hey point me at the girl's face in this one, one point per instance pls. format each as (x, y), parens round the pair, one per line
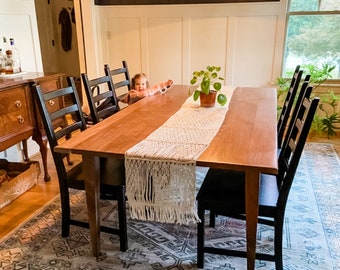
(140, 84)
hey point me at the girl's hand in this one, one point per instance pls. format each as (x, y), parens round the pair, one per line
(169, 83)
(130, 97)
(134, 94)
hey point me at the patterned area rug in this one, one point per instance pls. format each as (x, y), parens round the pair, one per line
(311, 233)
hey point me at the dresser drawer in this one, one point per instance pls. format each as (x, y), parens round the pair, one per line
(14, 110)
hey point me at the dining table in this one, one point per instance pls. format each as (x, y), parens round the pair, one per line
(246, 141)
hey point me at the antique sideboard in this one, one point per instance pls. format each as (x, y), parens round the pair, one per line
(19, 117)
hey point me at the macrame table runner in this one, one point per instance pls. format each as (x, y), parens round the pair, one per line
(161, 169)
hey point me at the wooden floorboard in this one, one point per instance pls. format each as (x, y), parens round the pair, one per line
(26, 205)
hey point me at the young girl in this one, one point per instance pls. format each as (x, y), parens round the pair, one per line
(141, 88)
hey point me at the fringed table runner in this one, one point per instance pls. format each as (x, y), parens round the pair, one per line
(161, 170)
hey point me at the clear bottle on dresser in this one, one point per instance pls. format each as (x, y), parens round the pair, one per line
(15, 57)
(2, 61)
(9, 63)
(3, 56)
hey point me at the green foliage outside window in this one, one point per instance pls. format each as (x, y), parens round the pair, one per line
(327, 119)
(313, 34)
(313, 39)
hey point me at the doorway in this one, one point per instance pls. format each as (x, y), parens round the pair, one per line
(57, 35)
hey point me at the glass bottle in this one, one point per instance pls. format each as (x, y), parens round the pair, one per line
(9, 62)
(3, 55)
(5, 45)
(2, 61)
(16, 65)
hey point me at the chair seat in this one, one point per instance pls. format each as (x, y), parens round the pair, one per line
(112, 176)
(75, 178)
(227, 197)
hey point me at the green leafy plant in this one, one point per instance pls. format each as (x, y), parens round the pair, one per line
(330, 119)
(326, 119)
(208, 80)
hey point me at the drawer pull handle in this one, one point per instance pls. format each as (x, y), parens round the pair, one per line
(21, 120)
(18, 103)
(51, 102)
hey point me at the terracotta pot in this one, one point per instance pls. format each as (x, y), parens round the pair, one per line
(208, 100)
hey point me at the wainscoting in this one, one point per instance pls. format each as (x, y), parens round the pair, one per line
(170, 41)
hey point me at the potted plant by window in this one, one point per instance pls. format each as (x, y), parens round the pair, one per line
(209, 83)
(327, 118)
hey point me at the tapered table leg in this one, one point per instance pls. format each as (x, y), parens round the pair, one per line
(252, 195)
(91, 168)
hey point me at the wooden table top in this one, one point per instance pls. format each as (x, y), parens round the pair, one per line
(246, 140)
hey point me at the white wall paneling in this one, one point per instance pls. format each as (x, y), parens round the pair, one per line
(251, 54)
(246, 40)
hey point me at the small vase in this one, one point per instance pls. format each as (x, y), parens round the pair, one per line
(209, 100)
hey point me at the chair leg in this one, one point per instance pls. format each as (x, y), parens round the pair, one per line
(122, 219)
(65, 213)
(25, 150)
(68, 157)
(200, 238)
(212, 219)
(278, 228)
(69, 161)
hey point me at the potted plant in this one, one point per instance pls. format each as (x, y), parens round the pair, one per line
(209, 83)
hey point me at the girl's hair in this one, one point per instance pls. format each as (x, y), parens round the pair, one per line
(138, 76)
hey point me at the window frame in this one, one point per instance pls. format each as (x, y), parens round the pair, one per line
(330, 81)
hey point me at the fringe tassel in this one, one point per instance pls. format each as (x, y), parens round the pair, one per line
(161, 191)
(163, 214)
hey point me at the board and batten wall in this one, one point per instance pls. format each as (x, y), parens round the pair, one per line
(171, 41)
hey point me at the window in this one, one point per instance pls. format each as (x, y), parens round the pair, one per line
(313, 35)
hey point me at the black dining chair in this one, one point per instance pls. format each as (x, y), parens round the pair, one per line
(121, 79)
(112, 174)
(223, 191)
(304, 92)
(101, 97)
(288, 105)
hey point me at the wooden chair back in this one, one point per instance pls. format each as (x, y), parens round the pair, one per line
(101, 97)
(70, 111)
(121, 79)
(305, 92)
(288, 105)
(290, 155)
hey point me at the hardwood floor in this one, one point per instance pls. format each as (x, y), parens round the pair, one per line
(31, 201)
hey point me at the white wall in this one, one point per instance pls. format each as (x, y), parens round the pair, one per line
(246, 40)
(18, 20)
